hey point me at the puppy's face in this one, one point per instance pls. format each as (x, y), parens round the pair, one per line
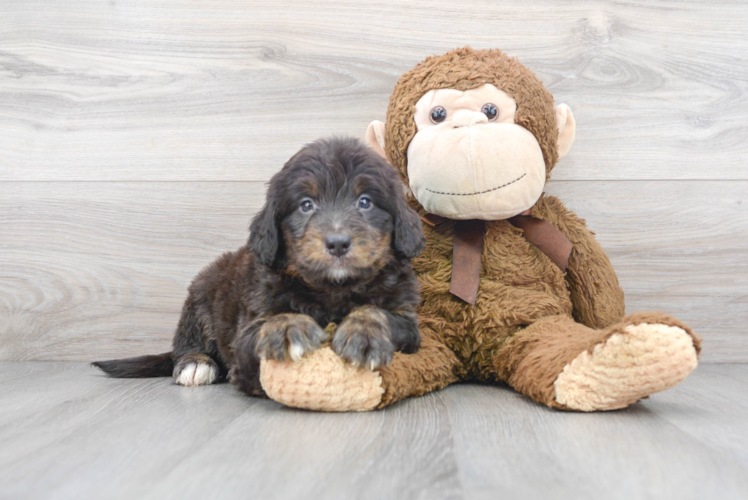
(339, 231)
(338, 213)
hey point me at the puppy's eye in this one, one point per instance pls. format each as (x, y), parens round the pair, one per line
(364, 203)
(306, 205)
(490, 111)
(438, 114)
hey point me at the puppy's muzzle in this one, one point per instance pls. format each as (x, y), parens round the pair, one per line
(338, 244)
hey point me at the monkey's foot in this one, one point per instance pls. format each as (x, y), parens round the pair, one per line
(641, 360)
(321, 381)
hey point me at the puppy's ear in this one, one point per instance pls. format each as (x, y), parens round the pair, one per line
(264, 235)
(409, 239)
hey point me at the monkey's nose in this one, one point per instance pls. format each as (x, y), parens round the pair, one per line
(465, 118)
(338, 244)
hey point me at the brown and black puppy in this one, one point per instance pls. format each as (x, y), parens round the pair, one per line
(332, 244)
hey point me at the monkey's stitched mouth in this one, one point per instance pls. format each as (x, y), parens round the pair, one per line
(479, 192)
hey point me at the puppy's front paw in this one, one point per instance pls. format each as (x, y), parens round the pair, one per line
(289, 336)
(363, 338)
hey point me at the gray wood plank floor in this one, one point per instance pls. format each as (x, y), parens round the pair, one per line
(68, 432)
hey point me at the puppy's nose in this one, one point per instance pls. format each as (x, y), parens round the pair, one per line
(338, 244)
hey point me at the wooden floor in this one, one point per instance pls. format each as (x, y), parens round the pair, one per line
(68, 432)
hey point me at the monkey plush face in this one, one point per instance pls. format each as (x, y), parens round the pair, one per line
(475, 134)
(469, 160)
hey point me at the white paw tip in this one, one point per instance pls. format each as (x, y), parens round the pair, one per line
(197, 374)
(296, 351)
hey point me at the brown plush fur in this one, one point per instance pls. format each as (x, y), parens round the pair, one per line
(531, 361)
(530, 319)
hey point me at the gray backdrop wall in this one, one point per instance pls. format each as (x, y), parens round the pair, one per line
(136, 139)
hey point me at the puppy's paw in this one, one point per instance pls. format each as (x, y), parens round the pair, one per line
(363, 338)
(195, 369)
(289, 336)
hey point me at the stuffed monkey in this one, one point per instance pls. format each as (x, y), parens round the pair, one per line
(514, 286)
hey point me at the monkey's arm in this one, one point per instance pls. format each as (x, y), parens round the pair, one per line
(596, 297)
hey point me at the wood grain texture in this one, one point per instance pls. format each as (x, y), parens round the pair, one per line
(528, 451)
(679, 247)
(96, 270)
(136, 138)
(66, 431)
(92, 269)
(229, 89)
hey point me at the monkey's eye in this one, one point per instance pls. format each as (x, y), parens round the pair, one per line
(306, 205)
(364, 203)
(490, 111)
(438, 114)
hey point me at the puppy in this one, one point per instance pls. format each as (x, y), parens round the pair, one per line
(332, 244)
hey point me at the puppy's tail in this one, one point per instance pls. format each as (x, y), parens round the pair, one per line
(155, 365)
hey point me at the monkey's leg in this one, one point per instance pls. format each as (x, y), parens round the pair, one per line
(566, 365)
(323, 381)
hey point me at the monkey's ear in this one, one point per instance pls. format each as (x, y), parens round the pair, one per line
(409, 239)
(375, 137)
(264, 236)
(567, 129)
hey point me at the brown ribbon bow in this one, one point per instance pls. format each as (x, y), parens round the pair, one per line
(468, 248)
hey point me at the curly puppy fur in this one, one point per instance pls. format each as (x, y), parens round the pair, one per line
(333, 244)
